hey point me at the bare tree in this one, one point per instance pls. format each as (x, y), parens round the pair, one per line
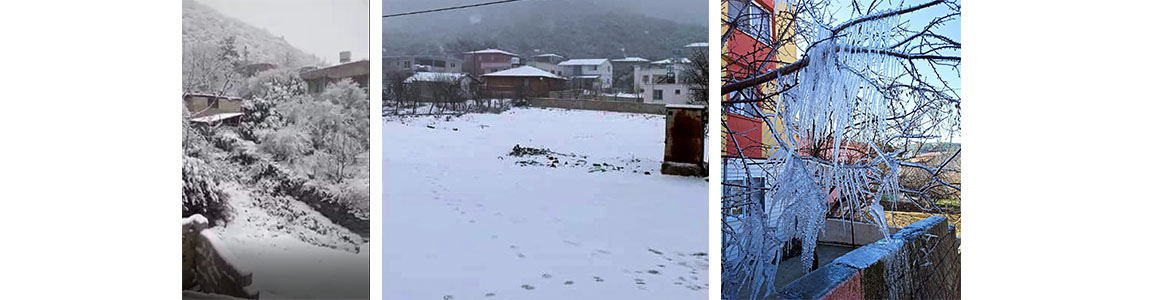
(396, 93)
(840, 90)
(695, 75)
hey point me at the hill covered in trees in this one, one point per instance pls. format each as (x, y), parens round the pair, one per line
(203, 25)
(576, 29)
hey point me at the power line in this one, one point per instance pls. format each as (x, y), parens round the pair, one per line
(447, 8)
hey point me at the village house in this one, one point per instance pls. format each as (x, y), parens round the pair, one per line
(547, 62)
(421, 63)
(520, 82)
(319, 78)
(211, 109)
(661, 82)
(623, 72)
(432, 85)
(591, 74)
(485, 61)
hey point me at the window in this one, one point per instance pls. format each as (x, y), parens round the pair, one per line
(593, 68)
(213, 103)
(657, 94)
(645, 78)
(742, 108)
(676, 92)
(753, 20)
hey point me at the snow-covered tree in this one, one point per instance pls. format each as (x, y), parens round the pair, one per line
(842, 89)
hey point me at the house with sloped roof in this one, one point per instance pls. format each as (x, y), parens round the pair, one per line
(521, 82)
(485, 61)
(588, 73)
(547, 62)
(356, 71)
(623, 72)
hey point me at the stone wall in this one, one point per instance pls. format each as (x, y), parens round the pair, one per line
(616, 106)
(208, 269)
(920, 261)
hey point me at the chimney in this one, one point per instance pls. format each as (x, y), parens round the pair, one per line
(344, 57)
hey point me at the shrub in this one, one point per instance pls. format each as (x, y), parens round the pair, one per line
(201, 194)
(285, 144)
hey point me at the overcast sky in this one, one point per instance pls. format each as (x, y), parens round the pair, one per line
(683, 11)
(320, 27)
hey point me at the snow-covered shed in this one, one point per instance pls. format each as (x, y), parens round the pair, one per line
(432, 84)
(521, 81)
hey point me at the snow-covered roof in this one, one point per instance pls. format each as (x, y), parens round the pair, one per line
(211, 96)
(216, 117)
(671, 60)
(699, 44)
(686, 106)
(549, 55)
(523, 71)
(490, 51)
(433, 76)
(631, 59)
(583, 62)
(587, 76)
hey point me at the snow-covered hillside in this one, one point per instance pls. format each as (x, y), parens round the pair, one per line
(463, 219)
(202, 24)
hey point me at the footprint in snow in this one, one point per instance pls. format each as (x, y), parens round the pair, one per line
(489, 294)
(598, 279)
(448, 297)
(546, 276)
(570, 282)
(528, 287)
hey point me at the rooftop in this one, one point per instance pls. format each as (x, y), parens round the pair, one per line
(216, 117)
(523, 71)
(349, 69)
(434, 76)
(631, 59)
(491, 51)
(671, 61)
(583, 62)
(694, 45)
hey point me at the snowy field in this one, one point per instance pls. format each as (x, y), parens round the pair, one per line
(465, 220)
(293, 251)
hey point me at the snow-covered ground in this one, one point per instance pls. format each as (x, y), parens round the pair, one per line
(463, 219)
(293, 251)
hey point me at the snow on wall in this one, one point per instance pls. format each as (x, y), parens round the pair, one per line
(921, 261)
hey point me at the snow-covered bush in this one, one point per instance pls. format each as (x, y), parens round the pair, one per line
(201, 192)
(285, 144)
(263, 94)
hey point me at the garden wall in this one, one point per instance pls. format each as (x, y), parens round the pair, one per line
(207, 268)
(920, 261)
(616, 106)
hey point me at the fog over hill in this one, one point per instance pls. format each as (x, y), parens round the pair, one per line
(204, 25)
(587, 28)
